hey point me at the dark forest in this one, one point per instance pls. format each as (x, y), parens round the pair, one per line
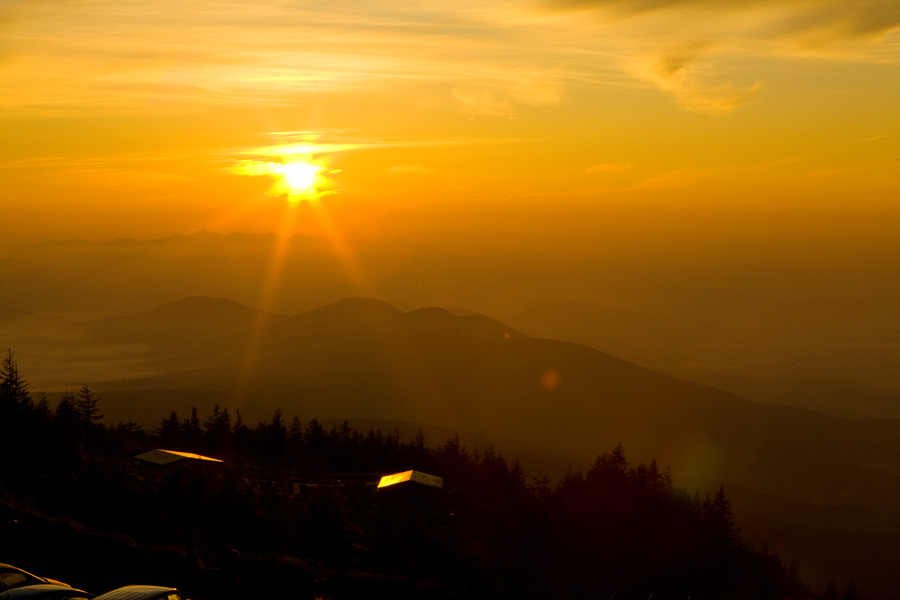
(290, 509)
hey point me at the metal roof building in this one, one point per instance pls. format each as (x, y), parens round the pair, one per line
(165, 457)
(414, 476)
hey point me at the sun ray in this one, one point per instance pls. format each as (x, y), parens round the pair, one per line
(266, 301)
(352, 268)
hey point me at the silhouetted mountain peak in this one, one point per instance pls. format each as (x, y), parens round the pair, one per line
(356, 306)
(351, 317)
(175, 322)
(205, 234)
(435, 319)
(430, 314)
(202, 307)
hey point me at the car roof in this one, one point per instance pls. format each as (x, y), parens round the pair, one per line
(28, 578)
(40, 590)
(6, 567)
(137, 592)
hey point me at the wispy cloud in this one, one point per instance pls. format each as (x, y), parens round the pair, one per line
(678, 71)
(149, 56)
(841, 18)
(331, 141)
(489, 59)
(688, 48)
(315, 148)
(135, 171)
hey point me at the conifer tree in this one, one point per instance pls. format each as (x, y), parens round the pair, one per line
(66, 410)
(419, 442)
(217, 428)
(724, 519)
(42, 408)
(169, 429)
(213, 420)
(518, 475)
(277, 425)
(88, 409)
(14, 396)
(454, 447)
(345, 431)
(191, 427)
(314, 435)
(295, 433)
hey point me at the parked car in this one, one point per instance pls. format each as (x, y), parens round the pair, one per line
(45, 591)
(142, 592)
(14, 577)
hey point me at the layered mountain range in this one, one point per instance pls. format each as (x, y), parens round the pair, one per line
(364, 358)
(816, 487)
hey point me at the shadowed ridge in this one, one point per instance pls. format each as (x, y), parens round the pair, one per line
(486, 323)
(194, 307)
(353, 308)
(460, 311)
(431, 315)
(196, 317)
(349, 318)
(205, 234)
(440, 319)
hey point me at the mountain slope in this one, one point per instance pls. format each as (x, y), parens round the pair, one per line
(364, 358)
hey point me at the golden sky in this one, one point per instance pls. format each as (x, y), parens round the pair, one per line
(447, 120)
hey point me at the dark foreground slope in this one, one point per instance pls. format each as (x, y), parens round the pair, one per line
(288, 514)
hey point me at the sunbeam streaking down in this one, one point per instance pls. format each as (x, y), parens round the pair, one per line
(267, 296)
(352, 268)
(274, 277)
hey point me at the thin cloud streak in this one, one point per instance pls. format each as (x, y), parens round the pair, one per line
(486, 59)
(307, 143)
(105, 55)
(846, 18)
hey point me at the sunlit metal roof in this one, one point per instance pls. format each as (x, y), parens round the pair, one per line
(165, 457)
(415, 476)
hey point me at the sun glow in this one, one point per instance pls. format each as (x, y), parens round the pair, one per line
(298, 180)
(300, 177)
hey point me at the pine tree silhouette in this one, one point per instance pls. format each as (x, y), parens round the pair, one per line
(14, 396)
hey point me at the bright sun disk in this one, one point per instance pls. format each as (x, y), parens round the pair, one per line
(299, 176)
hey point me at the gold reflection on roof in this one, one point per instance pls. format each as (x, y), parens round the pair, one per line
(415, 476)
(165, 457)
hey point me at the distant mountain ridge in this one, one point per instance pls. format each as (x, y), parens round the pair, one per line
(196, 315)
(368, 361)
(203, 235)
(365, 358)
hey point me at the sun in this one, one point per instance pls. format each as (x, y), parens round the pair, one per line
(300, 177)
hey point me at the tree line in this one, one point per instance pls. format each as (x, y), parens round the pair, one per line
(617, 530)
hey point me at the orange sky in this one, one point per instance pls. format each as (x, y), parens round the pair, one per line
(464, 122)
